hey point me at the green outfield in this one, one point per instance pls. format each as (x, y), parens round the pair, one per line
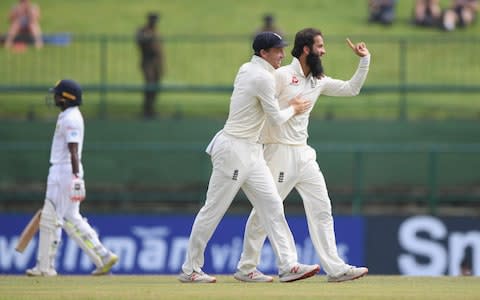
(167, 287)
(206, 41)
(218, 17)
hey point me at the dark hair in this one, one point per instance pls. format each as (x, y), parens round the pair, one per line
(268, 18)
(304, 37)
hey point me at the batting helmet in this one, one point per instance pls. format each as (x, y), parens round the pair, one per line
(69, 90)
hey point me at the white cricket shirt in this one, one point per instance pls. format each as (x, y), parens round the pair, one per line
(252, 99)
(291, 82)
(69, 129)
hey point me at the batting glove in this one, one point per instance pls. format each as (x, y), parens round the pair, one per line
(77, 192)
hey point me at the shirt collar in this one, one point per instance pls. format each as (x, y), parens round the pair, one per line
(265, 64)
(297, 67)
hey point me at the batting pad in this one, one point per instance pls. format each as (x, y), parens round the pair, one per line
(49, 239)
(87, 239)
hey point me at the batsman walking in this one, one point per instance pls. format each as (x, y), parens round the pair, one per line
(66, 189)
(238, 162)
(293, 162)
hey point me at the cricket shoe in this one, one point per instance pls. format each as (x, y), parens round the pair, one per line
(255, 276)
(351, 274)
(35, 271)
(196, 277)
(299, 272)
(108, 261)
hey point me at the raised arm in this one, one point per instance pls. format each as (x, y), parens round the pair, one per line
(352, 87)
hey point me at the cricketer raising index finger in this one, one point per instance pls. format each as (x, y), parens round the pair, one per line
(359, 49)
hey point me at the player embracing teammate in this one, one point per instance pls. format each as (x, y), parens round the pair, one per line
(293, 162)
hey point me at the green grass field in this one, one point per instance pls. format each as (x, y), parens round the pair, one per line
(183, 17)
(192, 58)
(167, 287)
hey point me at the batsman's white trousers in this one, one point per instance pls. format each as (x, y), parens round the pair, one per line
(58, 191)
(296, 167)
(68, 212)
(239, 163)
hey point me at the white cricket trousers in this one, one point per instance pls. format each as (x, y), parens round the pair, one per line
(58, 191)
(68, 212)
(239, 163)
(296, 167)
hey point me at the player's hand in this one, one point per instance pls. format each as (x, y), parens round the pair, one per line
(300, 105)
(360, 49)
(77, 191)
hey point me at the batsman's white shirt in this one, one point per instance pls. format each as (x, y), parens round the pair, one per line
(238, 162)
(69, 129)
(293, 164)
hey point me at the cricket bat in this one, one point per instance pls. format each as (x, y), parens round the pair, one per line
(28, 232)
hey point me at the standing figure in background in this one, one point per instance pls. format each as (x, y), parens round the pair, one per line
(24, 20)
(152, 62)
(381, 11)
(66, 189)
(427, 12)
(461, 13)
(269, 25)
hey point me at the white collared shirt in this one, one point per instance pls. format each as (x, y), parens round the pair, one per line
(291, 82)
(253, 100)
(69, 129)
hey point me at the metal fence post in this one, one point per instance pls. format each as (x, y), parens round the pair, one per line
(432, 180)
(403, 80)
(358, 182)
(102, 113)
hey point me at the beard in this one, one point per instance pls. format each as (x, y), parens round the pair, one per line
(314, 62)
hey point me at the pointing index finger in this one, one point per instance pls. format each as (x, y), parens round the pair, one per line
(349, 42)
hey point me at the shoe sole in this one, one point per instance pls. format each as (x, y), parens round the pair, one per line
(192, 281)
(29, 274)
(304, 276)
(251, 281)
(350, 279)
(188, 280)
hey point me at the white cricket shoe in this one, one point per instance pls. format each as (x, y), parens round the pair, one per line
(255, 276)
(108, 261)
(351, 274)
(35, 271)
(196, 277)
(299, 272)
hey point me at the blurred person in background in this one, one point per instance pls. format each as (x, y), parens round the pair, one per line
(461, 13)
(269, 25)
(66, 189)
(292, 161)
(151, 63)
(427, 12)
(381, 11)
(24, 22)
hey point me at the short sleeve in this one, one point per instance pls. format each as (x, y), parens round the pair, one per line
(73, 132)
